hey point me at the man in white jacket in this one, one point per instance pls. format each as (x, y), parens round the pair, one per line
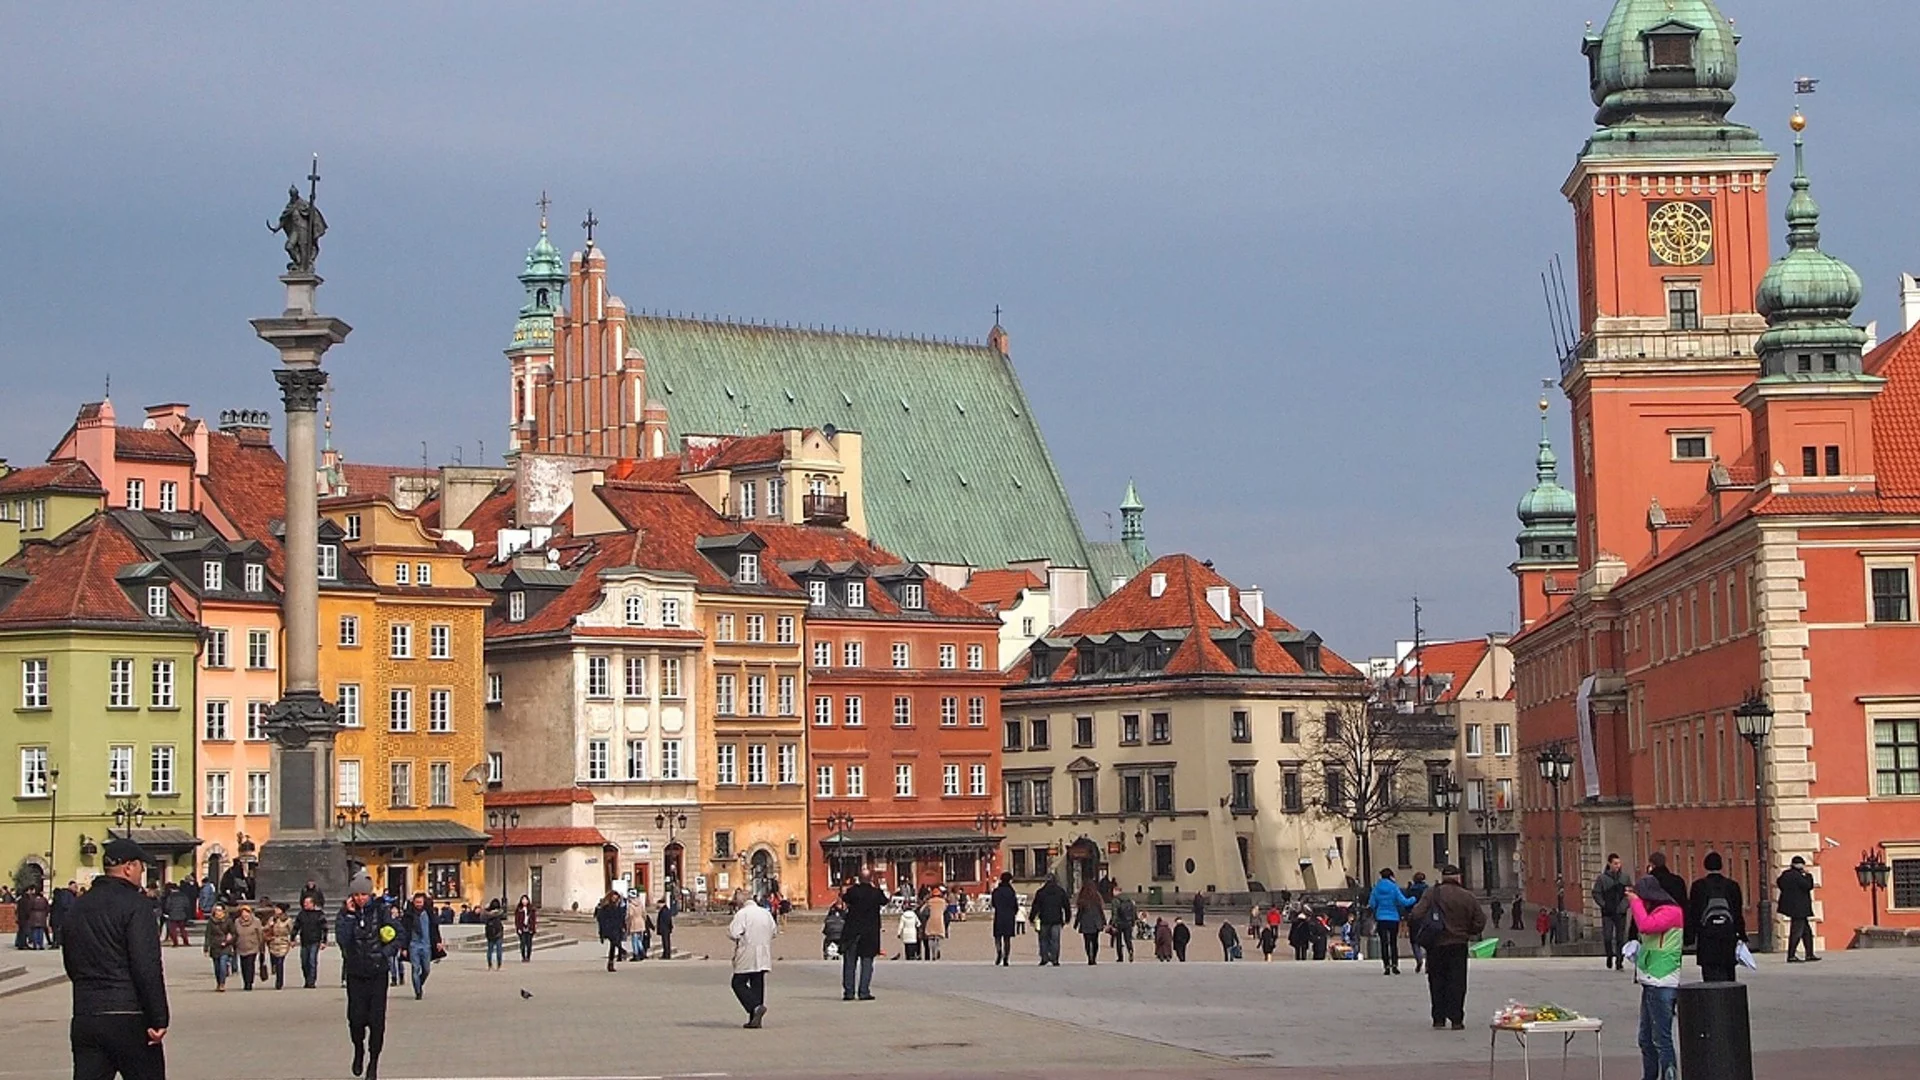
(752, 931)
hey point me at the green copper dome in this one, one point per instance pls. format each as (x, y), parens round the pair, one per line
(545, 279)
(1547, 512)
(1662, 74)
(1808, 296)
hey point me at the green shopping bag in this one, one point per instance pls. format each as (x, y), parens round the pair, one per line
(1483, 949)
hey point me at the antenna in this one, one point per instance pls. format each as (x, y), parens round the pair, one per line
(1553, 290)
(1419, 684)
(423, 453)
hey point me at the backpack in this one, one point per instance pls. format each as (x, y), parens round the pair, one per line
(1716, 919)
(1426, 933)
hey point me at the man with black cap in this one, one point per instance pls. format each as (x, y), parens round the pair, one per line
(1448, 918)
(366, 936)
(1796, 904)
(112, 959)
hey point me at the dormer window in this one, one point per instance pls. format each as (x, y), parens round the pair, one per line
(913, 596)
(749, 569)
(327, 562)
(669, 612)
(256, 578)
(157, 601)
(636, 612)
(1670, 48)
(212, 575)
(817, 593)
(516, 606)
(402, 574)
(353, 526)
(856, 594)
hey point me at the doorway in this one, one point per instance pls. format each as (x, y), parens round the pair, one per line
(1083, 864)
(761, 873)
(397, 880)
(533, 884)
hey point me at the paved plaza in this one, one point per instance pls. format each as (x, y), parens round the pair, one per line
(963, 1017)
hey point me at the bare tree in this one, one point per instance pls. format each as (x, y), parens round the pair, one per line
(1368, 772)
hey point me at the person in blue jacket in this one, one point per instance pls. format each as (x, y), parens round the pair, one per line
(1388, 904)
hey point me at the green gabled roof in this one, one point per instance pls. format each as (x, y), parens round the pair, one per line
(954, 465)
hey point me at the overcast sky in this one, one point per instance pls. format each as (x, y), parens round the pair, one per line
(1276, 261)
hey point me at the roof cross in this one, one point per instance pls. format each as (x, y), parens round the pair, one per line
(543, 202)
(589, 225)
(996, 314)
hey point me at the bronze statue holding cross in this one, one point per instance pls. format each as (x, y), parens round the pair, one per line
(302, 224)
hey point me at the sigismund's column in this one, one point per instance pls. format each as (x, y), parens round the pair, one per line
(302, 724)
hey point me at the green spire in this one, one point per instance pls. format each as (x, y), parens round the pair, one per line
(1547, 512)
(1133, 532)
(545, 279)
(1808, 296)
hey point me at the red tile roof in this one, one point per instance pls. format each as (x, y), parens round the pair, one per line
(548, 836)
(544, 797)
(141, 444)
(494, 513)
(246, 482)
(815, 542)
(378, 479)
(71, 579)
(994, 589)
(649, 470)
(1896, 415)
(670, 518)
(733, 451)
(73, 477)
(1456, 658)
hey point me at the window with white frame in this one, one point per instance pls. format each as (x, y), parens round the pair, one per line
(257, 720)
(349, 694)
(216, 649)
(757, 763)
(976, 658)
(747, 491)
(516, 606)
(439, 642)
(136, 494)
(160, 688)
(169, 496)
(669, 611)
(902, 655)
(723, 626)
(158, 602)
(402, 573)
(160, 771)
(913, 596)
(723, 695)
(976, 780)
(400, 641)
(856, 781)
(756, 628)
(33, 772)
(902, 711)
(902, 781)
(950, 781)
(1890, 588)
(423, 577)
(256, 578)
(949, 712)
(850, 711)
(756, 695)
(823, 654)
(439, 783)
(327, 562)
(496, 767)
(599, 681)
(259, 794)
(726, 764)
(822, 711)
(440, 711)
(636, 759)
(856, 594)
(217, 794)
(213, 575)
(783, 630)
(400, 784)
(789, 759)
(596, 759)
(634, 684)
(976, 712)
(216, 720)
(1473, 740)
(33, 684)
(400, 709)
(1503, 740)
(823, 781)
(636, 609)
(748, 572)
(949, 656)
(776, 497)
(120, 770)
(349, 631)
(850, 654)
(495, 687)
(817, 593)
(353, 527)
(670, 677)
(788, 689)
(259, 650)
(347, 784)
(670, 759)
(120, 683)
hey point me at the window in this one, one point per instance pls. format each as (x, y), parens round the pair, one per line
(402, 574)
(33, 772)
(259, 650)
(749, 569)
(1040, 732)
(212, 576)
(259, 793)
(423, 577)
(823, 654)
(256, 578)
(1503, 793)
(1289, 727)
(1240, 726)
(976, 780)
(669, 611)
(400, 641)
(1016, 798)
(1163, 793)
(347, 786)
(822, 711)
(160, 771)
(1290, 796)
(440, 642)
(1241, 797)
(516, 606)
(1896, 757)
(161, 688)
(1026, 626)
(257, 720)
(1086, 795)
(902, 781)
(1683, 309)
(723, 626)
(119, 770)
(789, 755)
(1043, 798)
(136, 494)
(756, 628)
(39, 514)
(496, 767)
(950, 781)
(723, 843)
(349, 631)
(169, 496)
(902, 655)
(1833, 460)
(817, 593)
(400, 709)
(670, 676)
(158, 603)
(1691, 446)
(1403, 850)
(636, 759)
(120, 684)
(856, 781)
(1014, 730)
(349, 704)
(217, 802)
(636, 610)
(976, 658)
(1335, 789)
(1162, 862)
(1503, 740)
(756, 695)
(823, 782)
(1129, 729)
(327, 562)
(599, 684)
(440, 711)
(913, 596)
(850, 654)
(976, 712)
(1906, 883)
(856, 594)
(850, 712)
(1667, 52)
(723, 695)
(215, 721)
(1133, 793)
(1083, 731)
(902, 711)
(949, 712)
(776, 497)
(783, 630)
(216, 651)
(949, 656)
(400, 784)
(1019, 866)
(747, 491)
(634, 683)
(757, 763)
(1332, 725)
(596, 759)
(1162, 728)
(1892, 593)
(788, 688)
(1473, 740)
(670, 759)
(353, 527)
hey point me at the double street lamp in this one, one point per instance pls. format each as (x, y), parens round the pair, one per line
(1872, 872)
(505, 821)
(1489, 821)
(1754, 718)
(350, 818)
(129, 812)
(1556, 768)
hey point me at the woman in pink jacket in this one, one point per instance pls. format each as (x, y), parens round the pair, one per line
(1656, 967)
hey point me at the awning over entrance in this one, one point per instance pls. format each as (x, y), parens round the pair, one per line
(905, 843)
(158, 841)
(411, 834)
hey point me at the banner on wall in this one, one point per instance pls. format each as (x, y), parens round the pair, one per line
(1589, 756)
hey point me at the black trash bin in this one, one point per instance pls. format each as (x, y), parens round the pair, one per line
(1716, 1037)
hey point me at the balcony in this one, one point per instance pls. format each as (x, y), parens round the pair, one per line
(824, 509)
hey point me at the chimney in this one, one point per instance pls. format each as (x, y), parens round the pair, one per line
(1157, 585)
(1909, 301)
(253, 427)
(1220, 599)
(169, 417)
(1254, 603)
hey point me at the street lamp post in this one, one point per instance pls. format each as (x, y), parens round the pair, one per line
(506, 821)
(673, 822)
(1872, 872)
(351, 818)
(840, 823)
(53, 821)
(1447, 795)
(129, 812)
(1754, 718)
(1487, 820)
(1556, 768)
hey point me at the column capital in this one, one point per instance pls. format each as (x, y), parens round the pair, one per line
(300, 388)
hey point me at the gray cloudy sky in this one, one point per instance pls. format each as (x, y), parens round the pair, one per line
(1276, 261)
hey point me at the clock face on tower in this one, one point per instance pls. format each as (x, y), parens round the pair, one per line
(1680, 233)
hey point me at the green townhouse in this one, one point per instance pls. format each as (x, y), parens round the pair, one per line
(97, 658)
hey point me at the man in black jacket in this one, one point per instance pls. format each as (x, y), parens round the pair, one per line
(1049, 912)
(1796, 904)
(368, 940)
(112, 958)
(310, 930)
(860, 940)
(1714, 915)
(1610, 899)
(1675, 885)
